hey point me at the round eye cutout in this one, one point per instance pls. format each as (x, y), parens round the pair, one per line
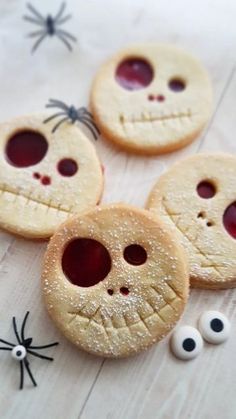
(26, 148)
(134, 74)
(135, 254)
(177, 85)
(214, 327)
(67, 167)
(229, 220)
(85, 262)
(206, 189)
(186, 343)
(18, 352)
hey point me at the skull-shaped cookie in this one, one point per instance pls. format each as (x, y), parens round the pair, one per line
(197, 198)
(115, 280)
(151, 98)
(45, 177)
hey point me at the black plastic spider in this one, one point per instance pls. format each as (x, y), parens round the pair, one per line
(23, 348)
(50, 26)
(72, 114)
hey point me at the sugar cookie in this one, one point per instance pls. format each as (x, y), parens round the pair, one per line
(151, 98)
(45, 177)
(197, 197)
(115, 280)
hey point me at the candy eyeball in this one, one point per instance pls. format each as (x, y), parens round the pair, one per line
(18, 352)
(214, 327)
(186, 343)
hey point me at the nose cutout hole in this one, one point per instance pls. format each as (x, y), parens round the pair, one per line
(124, 291)
(160, 98)
(201, 214)
(134, 74)
(177, 85)
(26, 148)
(206, 189)
(210, 224)
(110, 291)
(67, 167)
(135, 254)
(229, 220)
(85, 262)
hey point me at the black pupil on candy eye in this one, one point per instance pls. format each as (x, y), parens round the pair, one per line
(217, 325)
(135, 254)
(134, 74)
(26, 148)
(177, 85)
(86, 262)
(67, 167)
(18, 353)
(189, 344)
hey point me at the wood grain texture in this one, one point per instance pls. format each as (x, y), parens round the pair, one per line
(153, 385)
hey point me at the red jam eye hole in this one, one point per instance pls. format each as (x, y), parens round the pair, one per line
(206, 189)
(229, 219)
(134, 74)
(26, 148)
(177, 85)
(135, 254)
(85, 262)
(67, 167)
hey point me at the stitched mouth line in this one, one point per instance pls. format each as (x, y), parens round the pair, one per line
(28, 198)
(150, 118)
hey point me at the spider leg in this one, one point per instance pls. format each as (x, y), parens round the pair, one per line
(21, 375)
(51, 105)
(37, 33)
(44, 346)
(26, 363)
(94, 130)
(62, 38)
(5, 349)
(59, 123)
(37, 43)
(22, 332)
(16, 331)
(39, 355)
(60, 12)
(82, 111)
(56, 101)
(63, 20)
(7, 343)
(32, 20)
(35, 12)
(66, 34)
(54, 116)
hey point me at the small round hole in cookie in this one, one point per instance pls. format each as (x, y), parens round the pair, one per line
(110, 291)
(201, 214)
(176, 84)
(124, 291)
(209, 223)
(206, 189)
(135, 254)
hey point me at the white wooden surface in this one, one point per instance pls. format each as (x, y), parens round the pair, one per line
(154, 384)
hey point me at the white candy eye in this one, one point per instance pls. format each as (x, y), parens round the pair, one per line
(214, 326)
(18, 352)
(186, 342)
